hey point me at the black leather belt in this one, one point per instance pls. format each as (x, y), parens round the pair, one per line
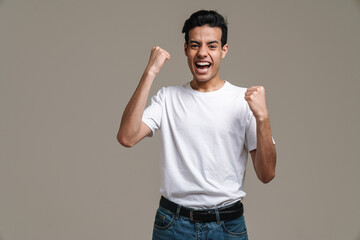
(228, 212)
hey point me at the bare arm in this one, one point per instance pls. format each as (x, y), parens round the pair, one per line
(132, 128)
(264, 156)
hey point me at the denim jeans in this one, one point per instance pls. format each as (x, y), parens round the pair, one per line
(172, 226)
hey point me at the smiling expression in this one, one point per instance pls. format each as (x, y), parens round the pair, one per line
(204, 53)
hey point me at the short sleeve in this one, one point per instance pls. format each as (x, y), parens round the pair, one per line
(153, 112)
(250, 132)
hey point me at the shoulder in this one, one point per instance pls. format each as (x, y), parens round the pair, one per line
(238, 94)
(168, 90)
(235, 89)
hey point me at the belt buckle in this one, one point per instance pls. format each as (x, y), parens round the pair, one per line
(192, 216)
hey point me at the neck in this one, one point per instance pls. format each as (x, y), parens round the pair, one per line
(207, 86)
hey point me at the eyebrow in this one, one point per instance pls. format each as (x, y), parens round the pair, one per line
(211, 42)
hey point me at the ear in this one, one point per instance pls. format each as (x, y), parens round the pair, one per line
(224, 50)
(185, 49)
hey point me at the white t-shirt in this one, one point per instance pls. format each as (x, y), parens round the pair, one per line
(206, 138)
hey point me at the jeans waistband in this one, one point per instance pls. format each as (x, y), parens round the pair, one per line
(228, 212)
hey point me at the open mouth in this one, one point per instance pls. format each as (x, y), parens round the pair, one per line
(202, 67)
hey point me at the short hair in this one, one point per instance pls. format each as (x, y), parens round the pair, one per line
(206, 17)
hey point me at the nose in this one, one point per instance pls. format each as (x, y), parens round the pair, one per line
(202, 52)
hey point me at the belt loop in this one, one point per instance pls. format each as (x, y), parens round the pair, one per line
(217, 216)
(177, 212)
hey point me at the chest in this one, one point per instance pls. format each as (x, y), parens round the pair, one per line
(207, 115)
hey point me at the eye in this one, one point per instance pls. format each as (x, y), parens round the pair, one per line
(194, 45)
(212, 46)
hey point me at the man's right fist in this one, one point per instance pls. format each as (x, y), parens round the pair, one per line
(157, 59)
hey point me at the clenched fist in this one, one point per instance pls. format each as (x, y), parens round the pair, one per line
(255, 96)
(157, 59)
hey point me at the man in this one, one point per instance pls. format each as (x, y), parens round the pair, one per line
(208, 126)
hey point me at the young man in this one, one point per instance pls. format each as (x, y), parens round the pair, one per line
(208, 127)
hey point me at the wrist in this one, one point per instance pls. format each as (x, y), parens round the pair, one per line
(148, 75)
(261, 118)
(151, 71)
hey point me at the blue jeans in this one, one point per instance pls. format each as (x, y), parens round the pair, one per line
(171, 226)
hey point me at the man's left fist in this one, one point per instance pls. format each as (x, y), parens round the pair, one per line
(255, 96)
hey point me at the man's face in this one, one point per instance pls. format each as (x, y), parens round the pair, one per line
(204, 52)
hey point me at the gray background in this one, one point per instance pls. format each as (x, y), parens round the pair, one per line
(68, 69)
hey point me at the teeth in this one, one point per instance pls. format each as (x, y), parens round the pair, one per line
(203, 63)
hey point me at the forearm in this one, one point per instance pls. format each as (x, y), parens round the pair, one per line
(132, 116)
(265, 158)
(131, 128)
